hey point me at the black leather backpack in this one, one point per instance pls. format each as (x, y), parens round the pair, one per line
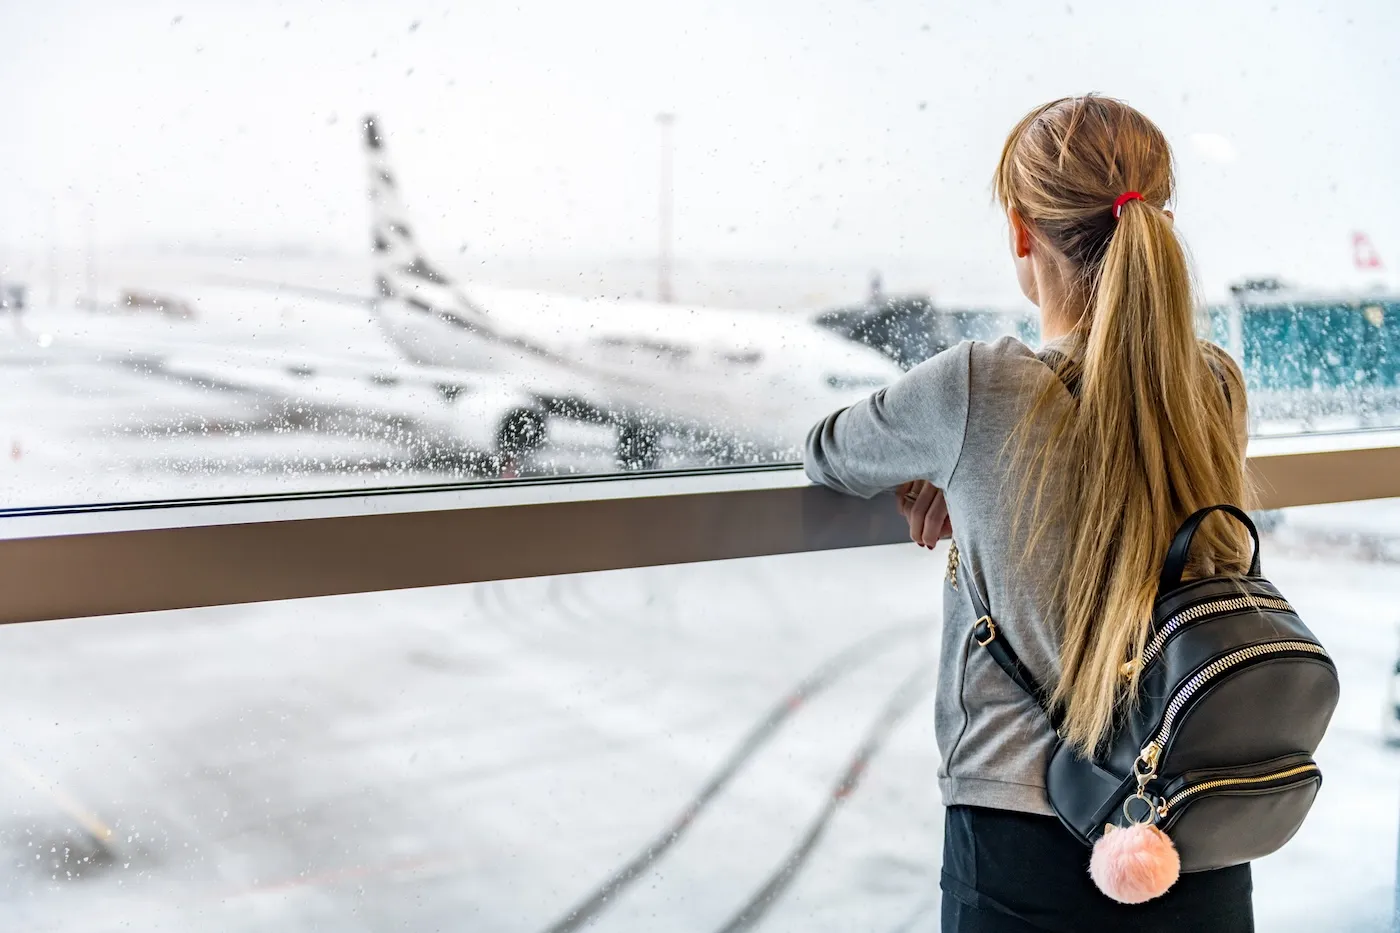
(1234, 696)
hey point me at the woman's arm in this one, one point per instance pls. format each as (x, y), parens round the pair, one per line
(910, 430)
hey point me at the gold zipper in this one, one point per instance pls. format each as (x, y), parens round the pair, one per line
(1227, 604)
(1215, 669)
(1194, 789)
(1152, 751)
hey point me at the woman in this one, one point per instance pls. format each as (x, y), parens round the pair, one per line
(1061, 477)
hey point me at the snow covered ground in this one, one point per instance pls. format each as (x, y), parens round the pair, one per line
(487, 757)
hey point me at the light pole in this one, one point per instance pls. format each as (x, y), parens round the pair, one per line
(91, 261)
(53, 251)
(663, 257)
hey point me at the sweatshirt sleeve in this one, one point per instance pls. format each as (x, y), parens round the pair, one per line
(912, 429)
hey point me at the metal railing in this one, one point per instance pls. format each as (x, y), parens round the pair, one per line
(72, 562)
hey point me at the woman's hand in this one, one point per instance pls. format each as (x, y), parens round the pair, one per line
(923, 505)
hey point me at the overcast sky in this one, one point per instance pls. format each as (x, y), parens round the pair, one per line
(806, 131)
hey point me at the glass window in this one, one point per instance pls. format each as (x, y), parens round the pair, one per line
(266, 248)
(1337, 565)
(669, 748)
(489, 756)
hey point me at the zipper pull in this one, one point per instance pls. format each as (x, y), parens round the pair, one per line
(1130, 668)
(1146, 765)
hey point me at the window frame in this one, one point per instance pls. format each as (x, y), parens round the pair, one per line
(78, 561)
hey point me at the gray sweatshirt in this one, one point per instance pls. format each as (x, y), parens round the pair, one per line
(948, 421)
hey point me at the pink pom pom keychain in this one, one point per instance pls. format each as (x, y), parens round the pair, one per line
(1136, 863)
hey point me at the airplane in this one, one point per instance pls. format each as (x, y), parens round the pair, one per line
(748, 383)
(491, 371)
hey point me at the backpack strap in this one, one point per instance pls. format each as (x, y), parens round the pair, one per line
(988, 636)
(1224, 383)
(1180, 549)
(1068, 371)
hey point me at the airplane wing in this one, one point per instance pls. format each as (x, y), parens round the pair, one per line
(480, 412)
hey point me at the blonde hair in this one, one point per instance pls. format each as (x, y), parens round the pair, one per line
(1151, 436)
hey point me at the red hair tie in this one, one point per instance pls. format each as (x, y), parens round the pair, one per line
(1124, 198)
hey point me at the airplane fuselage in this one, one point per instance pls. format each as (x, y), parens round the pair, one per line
(764, 377)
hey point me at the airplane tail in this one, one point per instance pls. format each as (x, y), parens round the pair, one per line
(1363, 252)
(412, 295)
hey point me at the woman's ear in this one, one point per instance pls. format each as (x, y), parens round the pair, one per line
(1020, 234)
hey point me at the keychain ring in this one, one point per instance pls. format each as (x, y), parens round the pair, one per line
(1149, 817)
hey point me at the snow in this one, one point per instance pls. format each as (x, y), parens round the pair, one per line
(481, 757)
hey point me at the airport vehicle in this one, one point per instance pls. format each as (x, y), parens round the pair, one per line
(13, 296)
(143, 301)
(911, 328)
(1314, 359)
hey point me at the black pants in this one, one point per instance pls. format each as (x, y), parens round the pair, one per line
(1006, 872)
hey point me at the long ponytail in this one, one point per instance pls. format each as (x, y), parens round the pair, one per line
(1152, 431)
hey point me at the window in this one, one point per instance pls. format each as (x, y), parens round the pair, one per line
(588, 247)
(326, 305)
(1337, 564)
(496, 751)
(639, 749)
